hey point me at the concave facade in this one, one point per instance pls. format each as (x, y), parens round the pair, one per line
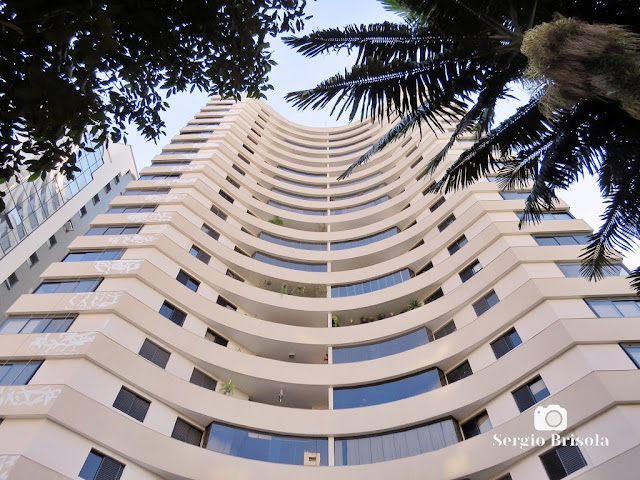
(240, 314)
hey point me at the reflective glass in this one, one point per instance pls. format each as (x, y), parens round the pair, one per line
(306, 267)
(373, 285)
(364, 241)
(296, 210)
(393, 445)
(292, 243)
(264, 446)
(389, 391)
(340, 211)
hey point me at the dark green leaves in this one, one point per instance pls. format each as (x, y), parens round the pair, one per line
(69, 68)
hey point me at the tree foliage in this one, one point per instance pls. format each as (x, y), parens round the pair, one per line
(453, 60)
(76, 72)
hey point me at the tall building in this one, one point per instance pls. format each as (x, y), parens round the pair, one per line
(239, 314)
(41, 218)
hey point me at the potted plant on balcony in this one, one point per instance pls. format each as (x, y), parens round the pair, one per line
(227, 388)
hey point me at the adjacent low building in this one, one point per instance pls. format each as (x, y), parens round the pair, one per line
(41, 218)
(238, 313)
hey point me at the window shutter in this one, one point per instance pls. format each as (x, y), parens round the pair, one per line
(571, 458)
(110, 469)
(186, 433)
(523, 397)
(553, 465)
(124, 400)
(139, 408)
(202, 380)
(500, 347)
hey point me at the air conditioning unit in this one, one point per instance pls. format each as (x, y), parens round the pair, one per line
(312, 458)
(68, 227)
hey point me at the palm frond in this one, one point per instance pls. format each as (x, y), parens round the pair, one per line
(635, 279)
(378, 88)
(486, 101)
(386, 41)
(519, 131)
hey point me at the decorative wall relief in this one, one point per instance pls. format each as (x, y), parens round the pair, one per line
(148, 217)
(175, 181)
(93, 300)
(28, 396)
(62, 343)
(6, 463)
(132, 239)
(122, 267)
(187, 168)
(169, 197)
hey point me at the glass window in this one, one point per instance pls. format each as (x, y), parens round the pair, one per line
(139, 191)
(485, 303)
(575, 239)
(223, 302)
(470, 271)
(69, 286)
(216, 338)
(292, 182)
(573, 270)
(550, 215)
(292, 243)
(448, 221)
(278, 262)
(633, 350)
(457, 245)
(477, 425)
(608, 307)
(200, 254)
(299, 197)
(514, 195)
(399, 444)
(445, 330)
(174, 314)
(436, 205)
(18, 373)
(364, 241)
(298, 172)
(210, 231)
(114, 230)
(133, 209)
(461, 371)
(359, 353)
(93, 256)
(389, 391)
(375, 284)
(340, 211)
(562, 461)
(100, 467)
(31, 324)
(304, 211)
(506, 343)
(266, 447)
(218, 212)
(530, 394)
(188, 281)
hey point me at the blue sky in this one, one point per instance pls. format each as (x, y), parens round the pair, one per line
(295, 72)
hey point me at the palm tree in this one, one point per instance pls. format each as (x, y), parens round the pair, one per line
(455, 59)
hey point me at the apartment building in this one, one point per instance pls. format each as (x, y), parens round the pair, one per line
(43, 217)
(238, 313)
